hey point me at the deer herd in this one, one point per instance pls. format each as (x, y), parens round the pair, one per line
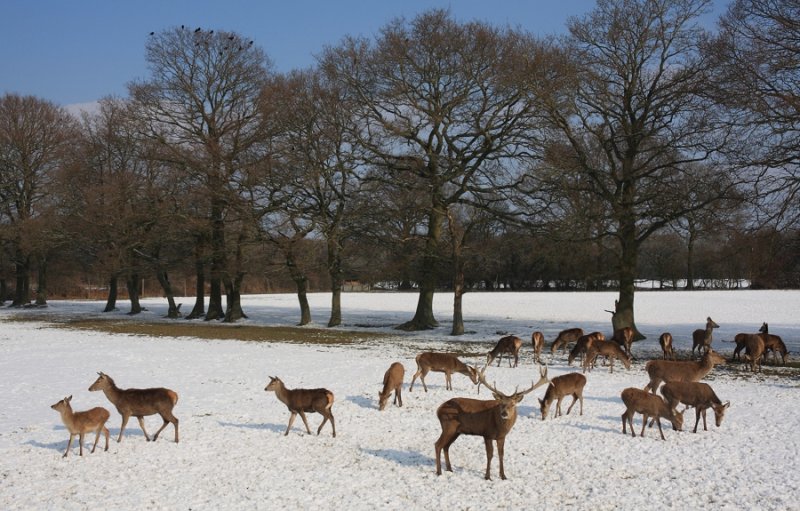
(494, 418)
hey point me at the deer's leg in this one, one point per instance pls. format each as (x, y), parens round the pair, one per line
(291, 421)
(658, 421)
(97, 437)
(705, 428)
(167, 417)
(303, 416)
(489, 453)
(500, 448)
(448, 384)
(558, 406)
(80, 443)
(398, 396)
(411, 387)
(125, 418)
(574, 400)
(141, 425)
(69, 444)
(107, 434)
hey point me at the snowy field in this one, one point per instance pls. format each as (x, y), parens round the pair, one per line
(233, 455)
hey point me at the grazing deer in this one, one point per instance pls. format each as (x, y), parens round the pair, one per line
(570, 384)
(139, 403)
(754, 347)
(510, 345)
(302, 401)
(80, 423)
(441, 363)
(565, 338)
(624, 337)
(665, 340)
(681, 370)
(609, 349)
(697, 394)
(392, 381)
(701, 339)
(537, 339)
(582, 345)
(649, 405)
(741, 338)
(492, 419)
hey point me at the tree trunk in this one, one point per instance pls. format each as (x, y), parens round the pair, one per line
(199, 308)
(3, 291)
(22, 295)
(423, 317)
(234, 311)
(174, 311)
(111, 301)
(335, 272)
(458, 294)
(41, 284)
(133, 293)
(690, 259)
(623, 311)
(218, 260)
(301, 283)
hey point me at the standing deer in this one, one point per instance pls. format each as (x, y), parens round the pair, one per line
(80, 423)
(441, 363)
(139, 403)
(565, 338)
(624, 337)
(537, 339)
(741, 338)
(754, 350)
(609, 349)
(665, 340)
(300, 401)
(570, 384)
(681, 370)
(510, 345)
(701, 339)
(392, 381)
(697, 394)
(649, 405)
(492, 419)
(582, 346)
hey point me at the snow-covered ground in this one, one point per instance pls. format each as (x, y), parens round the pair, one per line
(233, 455)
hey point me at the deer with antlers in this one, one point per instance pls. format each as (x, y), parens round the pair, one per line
(492, 419)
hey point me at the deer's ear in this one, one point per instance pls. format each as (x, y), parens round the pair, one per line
(519, 398)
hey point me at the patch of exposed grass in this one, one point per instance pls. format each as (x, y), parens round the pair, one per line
(203, 330)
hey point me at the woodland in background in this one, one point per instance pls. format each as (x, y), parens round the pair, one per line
(436, 156)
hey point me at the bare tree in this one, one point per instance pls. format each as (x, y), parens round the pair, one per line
(756, 65)
(631, 120)
(201, 103)
(35, 138)
(438, 101)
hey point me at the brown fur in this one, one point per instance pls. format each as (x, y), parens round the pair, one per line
(392, 381)
(570, 384)
(665, 340)
(680, 370)
(565, 338)
(697, 394)
(300, 401)
(537, 339)
(509, 345)
(649, 405)
(139, 403)
(441, 363)
(701, 338)
(80, 423)
(609, 349)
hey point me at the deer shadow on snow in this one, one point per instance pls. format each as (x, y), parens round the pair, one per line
(60, 445)
(277, 428)
(403, 458)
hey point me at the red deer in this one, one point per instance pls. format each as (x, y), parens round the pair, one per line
(561, 386)
(566, 337)
(697, 394)
(537, 339)
(510, 345)
(681, 370)
(582, 345)
(441, 363)
(302, 401)
(492, 419)
(741, 338)
(392, 381)
(665, 340)
(624, 337)
(649, 405)
(139, 403)
(754, 350)
(80, 423)
(609, 349)
(701, 339)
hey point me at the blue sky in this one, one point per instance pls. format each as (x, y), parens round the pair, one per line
(78, 51)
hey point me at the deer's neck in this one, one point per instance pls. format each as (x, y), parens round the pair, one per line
(112, 392)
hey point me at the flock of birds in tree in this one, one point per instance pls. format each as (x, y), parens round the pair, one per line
(492, 419)
(198, 33)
